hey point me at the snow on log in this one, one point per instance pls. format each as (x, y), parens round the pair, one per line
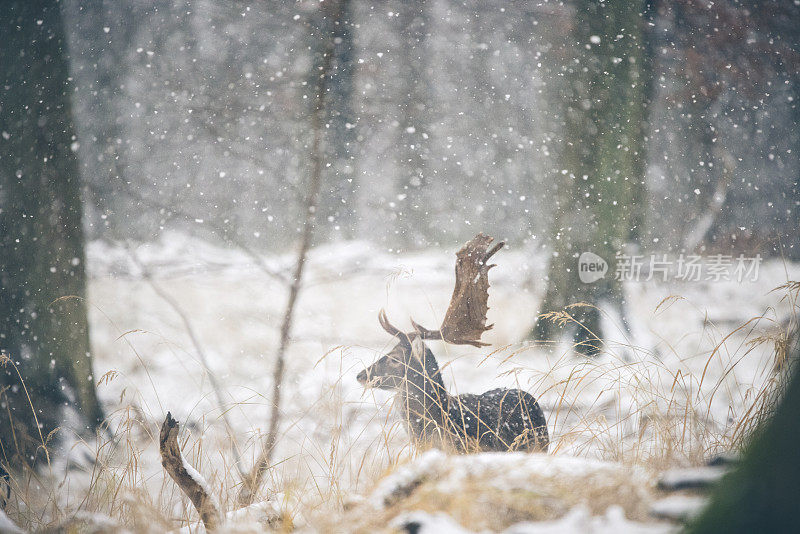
(185, 476)
(7, 526)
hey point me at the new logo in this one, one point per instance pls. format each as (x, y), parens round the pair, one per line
(591, 267)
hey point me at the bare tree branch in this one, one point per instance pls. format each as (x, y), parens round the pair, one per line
(253, 482)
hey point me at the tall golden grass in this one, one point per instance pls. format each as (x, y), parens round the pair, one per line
(626, 406)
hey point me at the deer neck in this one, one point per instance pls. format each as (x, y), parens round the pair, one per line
(424, 402)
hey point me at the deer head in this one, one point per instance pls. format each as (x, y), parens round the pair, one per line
(410, 361)
(464, 323)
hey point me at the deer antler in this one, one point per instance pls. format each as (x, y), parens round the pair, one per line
(389, 327)
(465, 319)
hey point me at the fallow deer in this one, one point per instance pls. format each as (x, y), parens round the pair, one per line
(498, 420)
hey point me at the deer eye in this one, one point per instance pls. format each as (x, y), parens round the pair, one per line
(395, 364)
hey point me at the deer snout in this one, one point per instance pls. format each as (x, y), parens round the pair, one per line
(363, 377)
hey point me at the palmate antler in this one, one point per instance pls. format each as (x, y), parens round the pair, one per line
(465, 320)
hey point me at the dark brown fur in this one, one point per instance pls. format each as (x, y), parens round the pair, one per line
(498, 420)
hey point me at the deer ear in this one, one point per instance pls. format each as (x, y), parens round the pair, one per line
(418, 348)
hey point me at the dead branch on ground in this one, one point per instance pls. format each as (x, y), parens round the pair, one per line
(185, 476)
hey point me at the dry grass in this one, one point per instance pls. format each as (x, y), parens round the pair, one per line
(626, 406)
(493, 492)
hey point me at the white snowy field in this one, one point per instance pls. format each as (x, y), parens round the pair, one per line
(676, 390)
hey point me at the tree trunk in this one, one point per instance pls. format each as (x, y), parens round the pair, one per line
(601, 176)
(44, 334)
(762, 493)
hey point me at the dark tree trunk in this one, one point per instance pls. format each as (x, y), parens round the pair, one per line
(42, 259)
(763, 493)
(601, 176)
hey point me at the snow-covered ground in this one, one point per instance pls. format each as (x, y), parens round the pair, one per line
(670, 393)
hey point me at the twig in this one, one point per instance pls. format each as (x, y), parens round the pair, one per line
(185, 476)
(252, 483)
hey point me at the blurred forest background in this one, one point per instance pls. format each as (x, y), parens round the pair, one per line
(444, 117)
(650, 127)
(667, 127)
(663, 127)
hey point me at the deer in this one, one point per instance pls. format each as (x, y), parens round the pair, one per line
(497, 420)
